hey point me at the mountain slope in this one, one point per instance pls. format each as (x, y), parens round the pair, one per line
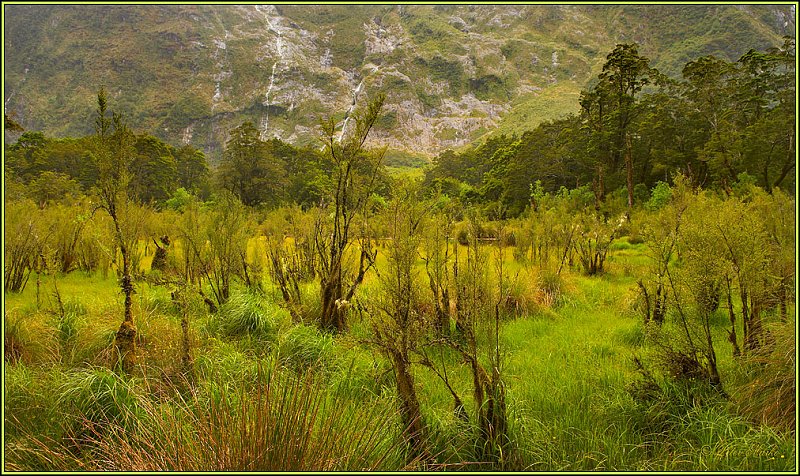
(190, 73)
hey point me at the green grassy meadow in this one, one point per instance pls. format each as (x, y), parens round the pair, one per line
(277, 394)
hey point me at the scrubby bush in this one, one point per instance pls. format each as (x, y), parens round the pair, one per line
(593, 237)
(23, 238)
(659, 197)
(462, 236)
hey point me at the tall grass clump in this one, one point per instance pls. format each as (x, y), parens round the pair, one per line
(359, 373)
(28, 337)
(660, 405)
(15, 339)
(248, 315)
(709, 438)
(28, 401)
(305, 347)
(769, 398)
(688, 425)
(96, 398)
(66, 321)
(551, 287)
(225, 362)
(284, 425)
(60, 417)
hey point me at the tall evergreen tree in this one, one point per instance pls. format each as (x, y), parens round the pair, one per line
(250, 170)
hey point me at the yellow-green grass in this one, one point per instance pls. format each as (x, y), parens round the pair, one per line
(405, 172)
(566, 365)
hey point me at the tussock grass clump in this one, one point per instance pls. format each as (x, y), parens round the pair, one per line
(156, 300)
(75, 306)
(247, 314)
(96, 398)
(520, 298)
(552, 287)
(359, 374)
(633, 336)
(304, 347)
(28, 400)
(15, 340)
(158, 342)
(28, 338)
(770, 396)
(284, 425)
(310, 307)
(687, 425)
(659, 405)
(226, 362)
(58, 416)
(66, 321)
(66, 327)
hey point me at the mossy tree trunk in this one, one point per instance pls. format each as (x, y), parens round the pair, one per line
(125, 339)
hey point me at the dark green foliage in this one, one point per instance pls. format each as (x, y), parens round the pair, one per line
(154, 170)
(33, 154)
(388, 122)
(192, 168)
(308, 172)
(250, 169)
(488, 87)
(637, 128)
(50, 187)
(186, 110)
(56, 168)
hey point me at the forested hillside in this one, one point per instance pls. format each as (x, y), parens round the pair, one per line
(190, 73)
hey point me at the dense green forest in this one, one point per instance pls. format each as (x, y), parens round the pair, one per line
(613, 290)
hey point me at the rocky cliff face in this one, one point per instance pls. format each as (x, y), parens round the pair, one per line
(189, 73)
